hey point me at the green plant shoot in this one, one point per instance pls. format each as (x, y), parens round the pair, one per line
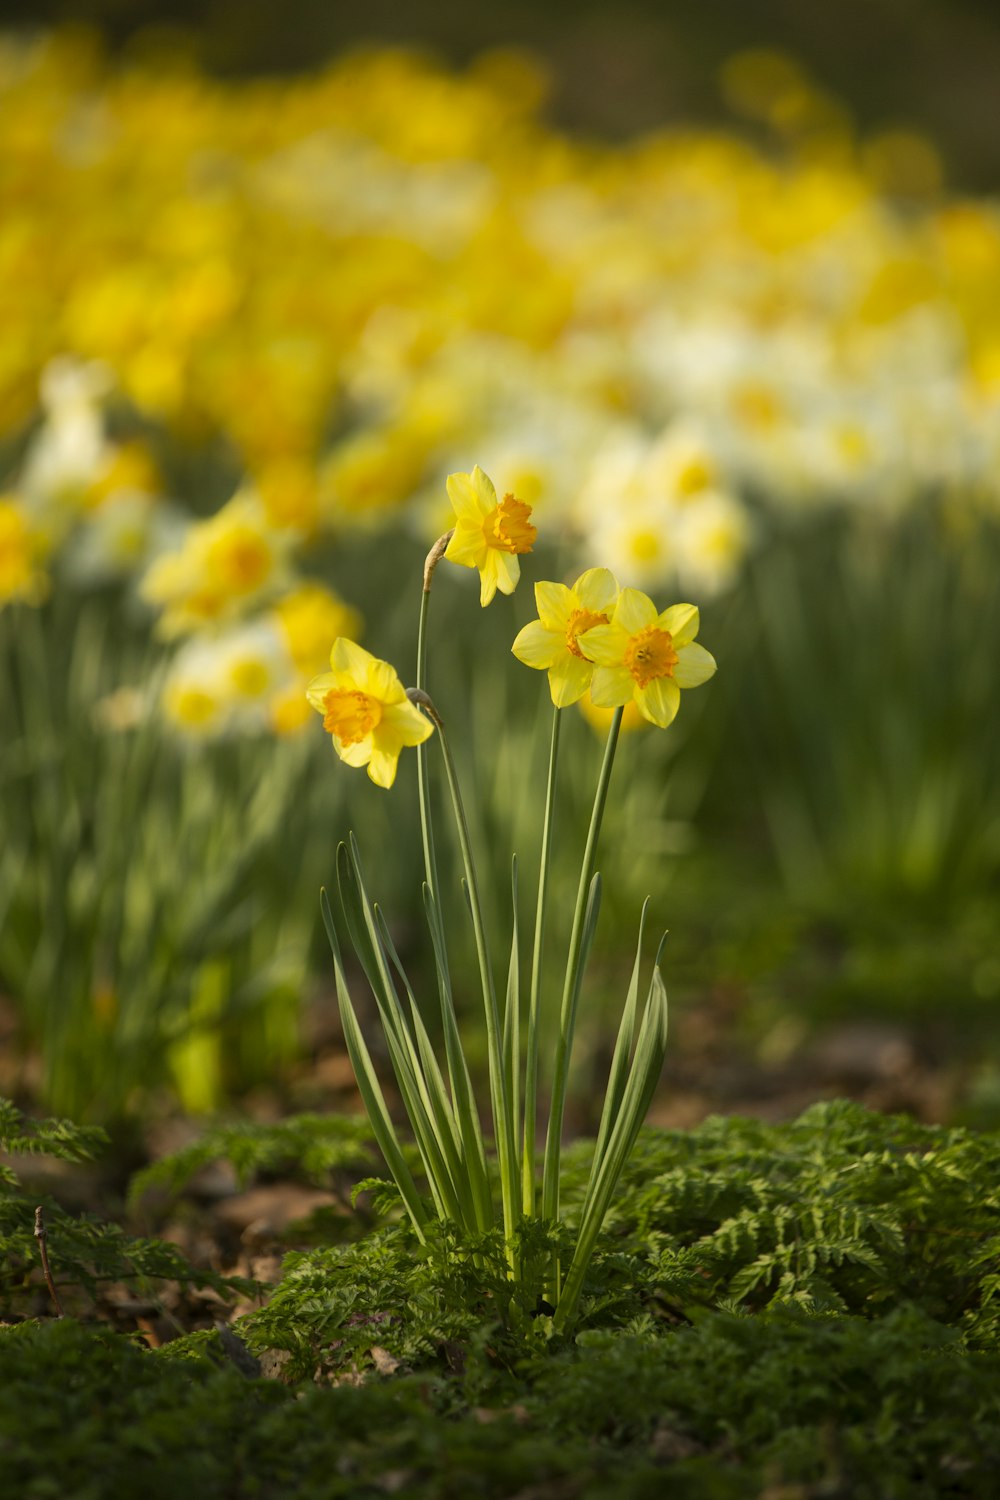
(592, 637)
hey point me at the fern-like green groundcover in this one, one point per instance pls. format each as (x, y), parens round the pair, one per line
(801, 1312)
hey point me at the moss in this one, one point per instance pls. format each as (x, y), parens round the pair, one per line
(809, 1306)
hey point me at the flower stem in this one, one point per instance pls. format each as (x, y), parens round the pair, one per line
(571, 991)
(459, 1081)
(531, 1057)
(426, 826)
(503, 1124)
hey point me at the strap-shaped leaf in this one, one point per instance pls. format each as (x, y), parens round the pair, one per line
(433, 1090)
(641, 1083)
(403, 1054)
(618, 1073)
(463, 1097)
(368, 1084)
(358, 910)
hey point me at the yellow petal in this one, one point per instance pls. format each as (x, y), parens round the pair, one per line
(694, 666)
(604, 644)
(381, 682)
(318, 689)
(659, 700)
(472, 495)
(611, 686)
(468, 545)
(508, 571)
(406, 722)
(682, 622)
(634, 611)
(569, 679)
(538, 647)
(597, 590)
(484, 487)
(382, 766)
(488, 576)
(555, 603)
(358, 754)
(349, 660)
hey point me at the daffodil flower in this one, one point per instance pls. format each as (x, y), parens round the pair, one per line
(552, 642)
(489, 534)
(366, 710)
(646, 657)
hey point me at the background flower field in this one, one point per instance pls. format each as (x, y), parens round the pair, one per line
(251, 324)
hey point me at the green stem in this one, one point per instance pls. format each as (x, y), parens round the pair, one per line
(423, 785)
(459, 1081)
(531, 1057)
(499, 1092)
(571, 986)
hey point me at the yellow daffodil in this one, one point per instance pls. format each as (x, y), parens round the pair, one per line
(490, 534)
(646, 657)
(552, 642)
(366, 710)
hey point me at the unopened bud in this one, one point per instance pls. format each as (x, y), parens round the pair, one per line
(434, 556)
(420, 699)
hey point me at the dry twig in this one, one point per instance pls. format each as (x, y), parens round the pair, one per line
(40, 1236)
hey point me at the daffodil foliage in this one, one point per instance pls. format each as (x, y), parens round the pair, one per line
(591, 635)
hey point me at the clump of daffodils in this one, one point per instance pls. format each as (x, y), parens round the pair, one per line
(592, 636)
(344, 274)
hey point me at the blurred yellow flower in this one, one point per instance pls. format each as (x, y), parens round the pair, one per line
(310, 617)
(490, 534)
(289, 491)
(289, 712)
(366, 711)
(224, 565)
(20, 552)
(130, 468)
(646, 657)
(552, 642)
(192, 708)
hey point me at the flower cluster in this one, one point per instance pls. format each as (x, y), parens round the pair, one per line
(614, 642)
(592, 635)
